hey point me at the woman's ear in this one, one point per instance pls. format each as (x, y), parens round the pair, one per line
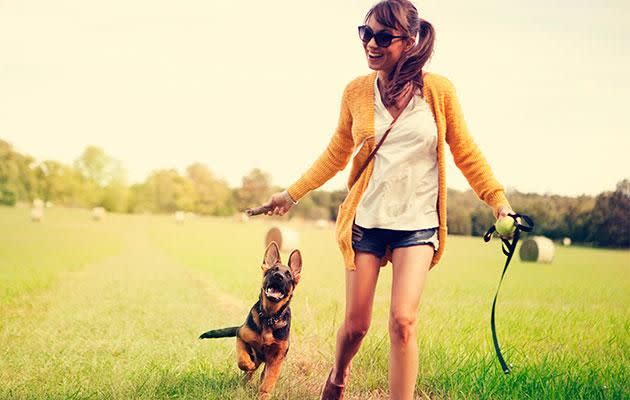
(409, 44)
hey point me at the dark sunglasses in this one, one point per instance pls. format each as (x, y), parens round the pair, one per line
(382, 38)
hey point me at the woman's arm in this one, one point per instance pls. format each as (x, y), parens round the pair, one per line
(331, 161)
(469, 158)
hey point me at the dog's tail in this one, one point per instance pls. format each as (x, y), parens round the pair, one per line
(219, 333)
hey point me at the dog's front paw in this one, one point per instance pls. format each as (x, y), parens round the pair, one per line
(246, 365)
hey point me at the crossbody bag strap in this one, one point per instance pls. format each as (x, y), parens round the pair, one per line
(373, 153)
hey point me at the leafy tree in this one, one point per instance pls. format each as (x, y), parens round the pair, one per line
(255, 189)
(481, 219)
(577, 218)
(213, 196)
(116, 194)
(459, 207)
(459, 221)
(18, 180)
(610, 218)
(170, 191)
(7, 196)
(140, 199)
(308, 208)
(96, 166)
(60, 183)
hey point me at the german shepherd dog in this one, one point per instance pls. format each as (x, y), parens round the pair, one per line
(264, 337)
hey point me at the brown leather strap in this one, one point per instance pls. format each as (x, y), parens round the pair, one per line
(373, 153)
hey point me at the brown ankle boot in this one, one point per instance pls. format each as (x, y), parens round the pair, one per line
(332, 391)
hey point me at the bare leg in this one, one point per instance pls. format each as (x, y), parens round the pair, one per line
(360, 285)
(410, 268)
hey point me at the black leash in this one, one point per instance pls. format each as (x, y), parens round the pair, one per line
(508, 249)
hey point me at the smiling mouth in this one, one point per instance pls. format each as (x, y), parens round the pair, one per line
(274, 294)
(374, 56)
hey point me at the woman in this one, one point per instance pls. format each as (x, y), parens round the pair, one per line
(396, 208)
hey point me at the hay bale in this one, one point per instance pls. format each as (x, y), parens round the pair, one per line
(98, 213)
(537, 249)
(37, 213)
(179, 217)
(286, 238)
(566, 241)
(322, 224)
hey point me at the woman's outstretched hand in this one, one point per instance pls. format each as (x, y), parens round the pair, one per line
(279, 203)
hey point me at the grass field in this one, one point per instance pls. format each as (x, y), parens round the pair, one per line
(112, 309)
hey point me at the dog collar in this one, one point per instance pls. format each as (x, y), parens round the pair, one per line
(270, 321)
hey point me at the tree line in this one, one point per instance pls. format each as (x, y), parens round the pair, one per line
(97, 179)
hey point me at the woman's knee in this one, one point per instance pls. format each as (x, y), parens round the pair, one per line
(402, 327)
(355, 329)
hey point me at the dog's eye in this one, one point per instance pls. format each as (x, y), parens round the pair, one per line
(287, 273)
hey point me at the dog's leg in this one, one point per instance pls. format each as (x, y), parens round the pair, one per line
(244, 358)
(269, 377)
(248, 376)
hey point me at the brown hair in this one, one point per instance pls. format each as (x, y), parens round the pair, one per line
(403, 16)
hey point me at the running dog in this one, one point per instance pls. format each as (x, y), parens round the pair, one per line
(264, 337)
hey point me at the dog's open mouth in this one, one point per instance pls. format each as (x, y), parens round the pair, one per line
(273, 293)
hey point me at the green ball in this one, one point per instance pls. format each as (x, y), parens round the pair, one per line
(505, 226)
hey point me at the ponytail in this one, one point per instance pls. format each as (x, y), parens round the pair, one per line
(403, 15)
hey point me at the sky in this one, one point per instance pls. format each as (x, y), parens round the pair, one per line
(160, 84)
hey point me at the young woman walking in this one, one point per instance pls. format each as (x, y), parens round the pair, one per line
(396, 206)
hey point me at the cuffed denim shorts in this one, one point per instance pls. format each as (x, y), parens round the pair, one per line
(376, 240)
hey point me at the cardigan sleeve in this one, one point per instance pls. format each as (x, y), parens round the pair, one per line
(334, 158)
(467, 155)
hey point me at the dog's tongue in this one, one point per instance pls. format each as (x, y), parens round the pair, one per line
(272, 292)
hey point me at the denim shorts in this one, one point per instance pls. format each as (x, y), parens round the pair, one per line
(376, 240)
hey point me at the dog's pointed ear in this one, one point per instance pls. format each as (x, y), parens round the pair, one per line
(295, 263)
(272, 256)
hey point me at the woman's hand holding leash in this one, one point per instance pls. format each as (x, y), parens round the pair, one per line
(503, 211)
(509, 226)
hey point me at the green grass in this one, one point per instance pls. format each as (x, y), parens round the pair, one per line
(113, 309)
(32, 255)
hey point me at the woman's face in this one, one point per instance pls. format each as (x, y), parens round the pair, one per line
(383, 58)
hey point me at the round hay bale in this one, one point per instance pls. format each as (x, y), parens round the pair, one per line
(287, 239)
(179, 217)
(98, 213)
(566, 241)
(537, 249)
(37, 214)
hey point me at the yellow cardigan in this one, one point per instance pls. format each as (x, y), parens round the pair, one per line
(356, 124)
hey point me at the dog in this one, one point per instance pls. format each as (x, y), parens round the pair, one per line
(264, 337)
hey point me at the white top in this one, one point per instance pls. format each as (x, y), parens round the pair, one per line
(403, 189)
